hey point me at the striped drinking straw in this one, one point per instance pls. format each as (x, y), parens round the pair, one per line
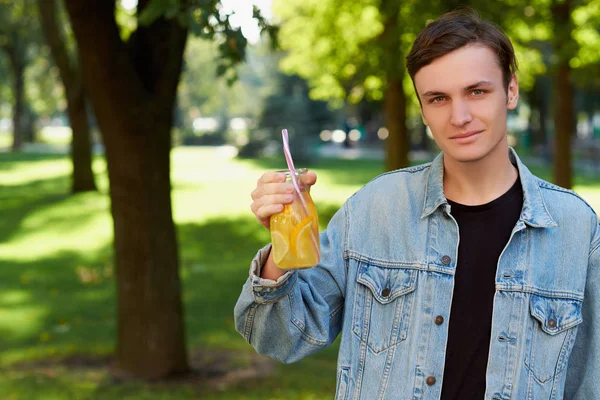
(290, 163)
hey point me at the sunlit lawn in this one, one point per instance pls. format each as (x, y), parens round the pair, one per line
(56, 283)
(56, 288)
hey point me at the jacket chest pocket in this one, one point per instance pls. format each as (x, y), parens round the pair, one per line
(552, 331)
(383, 305)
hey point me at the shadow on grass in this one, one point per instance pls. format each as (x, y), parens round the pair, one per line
(20, 201)
(215, 260)
(64, 304)
(57, 305)
(10, 160)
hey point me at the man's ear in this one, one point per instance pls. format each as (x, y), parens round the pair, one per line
(513, 93)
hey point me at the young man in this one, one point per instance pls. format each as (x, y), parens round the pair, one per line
(465, 278)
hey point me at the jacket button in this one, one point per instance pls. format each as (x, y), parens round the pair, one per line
(385, 292)
(430, 380)
(439, 320)
(552, 323)
(446, 260)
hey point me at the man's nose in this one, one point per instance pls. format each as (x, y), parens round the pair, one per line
(461, 114)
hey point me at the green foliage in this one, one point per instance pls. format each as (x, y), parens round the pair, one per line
(330, 43)
(126, 20)
(587, 59)
(206, 19)
(22, 52)
(532, 29)
(17, 20)
(44, 92)
(200, 94)
(335, 44)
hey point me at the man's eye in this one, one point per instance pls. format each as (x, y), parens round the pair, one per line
(437, 99)
(478, 92)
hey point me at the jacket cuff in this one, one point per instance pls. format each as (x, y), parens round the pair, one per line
(266, 290)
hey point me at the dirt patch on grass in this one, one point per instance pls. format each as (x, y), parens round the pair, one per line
(209, 369)
(222, 370)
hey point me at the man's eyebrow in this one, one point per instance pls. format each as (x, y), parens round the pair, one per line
(435, 93)
(478, 84)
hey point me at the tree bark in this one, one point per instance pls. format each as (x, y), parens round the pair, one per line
(537, 124)
(132, 89)
(17, 64)
(28, 121)
(394, 97)
(395, 116)
(563, 95)
(563, 122)
(81, 147)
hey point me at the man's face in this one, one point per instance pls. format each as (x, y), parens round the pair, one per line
(464, 102)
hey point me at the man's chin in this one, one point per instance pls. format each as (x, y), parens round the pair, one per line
(464, 155)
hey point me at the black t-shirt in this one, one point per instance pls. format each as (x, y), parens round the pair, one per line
(484, 232)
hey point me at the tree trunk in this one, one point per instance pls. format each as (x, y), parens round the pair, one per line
(28, 121)
(544, 110)
(132, 89)
(563, 95)
(395, 117)
(563, 121)
(18, 67)
(394, 97)
(81, 147)
(150, 314)
(537, 138)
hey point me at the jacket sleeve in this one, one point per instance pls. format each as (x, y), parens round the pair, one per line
(301, 312)
(583, 374)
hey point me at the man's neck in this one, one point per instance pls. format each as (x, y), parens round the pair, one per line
(481, 181)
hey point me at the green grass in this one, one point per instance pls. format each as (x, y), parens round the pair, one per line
(56, 282)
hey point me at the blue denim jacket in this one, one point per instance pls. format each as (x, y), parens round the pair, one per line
(387, 271)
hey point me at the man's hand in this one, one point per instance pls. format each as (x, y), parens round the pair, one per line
(272, 193)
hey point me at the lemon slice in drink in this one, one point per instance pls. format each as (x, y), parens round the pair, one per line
(302, 243)
(280, 247)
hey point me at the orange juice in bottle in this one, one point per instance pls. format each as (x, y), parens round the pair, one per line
(295, 230)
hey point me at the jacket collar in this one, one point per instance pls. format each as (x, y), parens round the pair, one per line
(534, 211)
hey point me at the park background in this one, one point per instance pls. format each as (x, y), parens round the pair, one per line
(132, 133)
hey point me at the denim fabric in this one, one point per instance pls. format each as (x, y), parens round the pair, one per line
(387, 271)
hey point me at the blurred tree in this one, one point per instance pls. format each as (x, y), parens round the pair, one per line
(566, 34)
(70, 74)
(201, 95)
(341, 61)
(586, 61)
(199, 88)
(391, 58)
(289, 106)
(539, 101)
(18, 28)
(132, 83)
(352, 49)
(565, 47)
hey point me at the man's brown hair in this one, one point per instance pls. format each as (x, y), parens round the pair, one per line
(457, 29)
